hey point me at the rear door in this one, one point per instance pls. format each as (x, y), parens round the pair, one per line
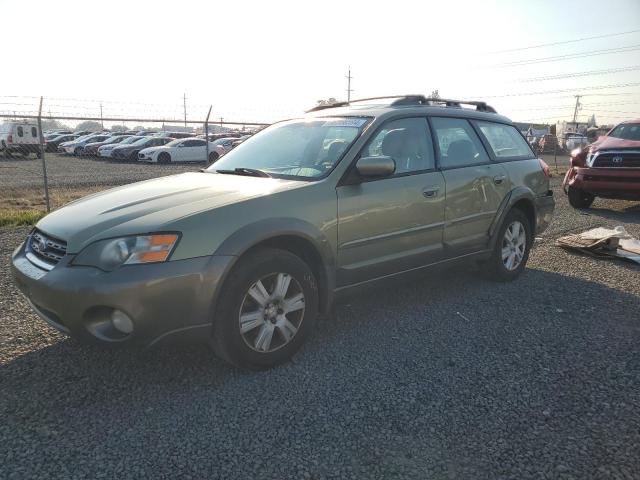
(391, 224)
(193, 150)
(475, 185)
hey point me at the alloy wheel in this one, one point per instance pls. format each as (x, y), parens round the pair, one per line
(514, 244)
(271, 312)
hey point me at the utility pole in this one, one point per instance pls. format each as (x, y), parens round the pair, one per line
(101, 121)
(349, 90)
(184, 101)
(221, 119)
(575, 111)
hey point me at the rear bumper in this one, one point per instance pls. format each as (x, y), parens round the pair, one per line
(622, 183)
(544, 204)
(165, 301)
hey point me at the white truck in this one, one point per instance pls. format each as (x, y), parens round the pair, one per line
(20, 138)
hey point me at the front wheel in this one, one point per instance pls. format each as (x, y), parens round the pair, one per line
(164, 158)
(213, 156)
(578, 198)
(268, 306)
(512, 247)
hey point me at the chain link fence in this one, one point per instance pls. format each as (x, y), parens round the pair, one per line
(48, 159)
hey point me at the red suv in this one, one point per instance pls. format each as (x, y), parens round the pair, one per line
(608, 168)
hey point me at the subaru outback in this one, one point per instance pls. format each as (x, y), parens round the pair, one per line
(246, 253)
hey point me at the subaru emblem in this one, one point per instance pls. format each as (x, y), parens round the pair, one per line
(616, 159)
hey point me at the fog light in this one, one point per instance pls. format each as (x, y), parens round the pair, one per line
(121, 322)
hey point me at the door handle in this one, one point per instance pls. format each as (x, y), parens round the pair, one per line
(498, 179)
(430, 192)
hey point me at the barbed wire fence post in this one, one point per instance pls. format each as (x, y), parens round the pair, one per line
(42, 156)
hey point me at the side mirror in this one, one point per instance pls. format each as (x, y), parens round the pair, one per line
(376, 166)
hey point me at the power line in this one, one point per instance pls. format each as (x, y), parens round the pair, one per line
(563, 90)
(569, 56)
(579, 74)
(518, 49)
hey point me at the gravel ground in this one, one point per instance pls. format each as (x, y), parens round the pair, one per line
(449, 377)
(66, 170)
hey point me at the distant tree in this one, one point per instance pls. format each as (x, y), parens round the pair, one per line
(137, 128)
(119, 128)
(89, 125)
(435, 94)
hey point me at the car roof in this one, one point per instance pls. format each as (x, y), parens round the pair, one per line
(402, 105)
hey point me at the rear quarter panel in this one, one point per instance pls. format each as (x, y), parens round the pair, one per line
(528, 174)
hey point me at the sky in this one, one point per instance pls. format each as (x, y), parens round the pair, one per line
(264, 61)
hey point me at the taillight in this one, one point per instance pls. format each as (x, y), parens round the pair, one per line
(10, 139)
(545, 168)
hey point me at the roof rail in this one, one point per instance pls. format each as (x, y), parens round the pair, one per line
(413, 100)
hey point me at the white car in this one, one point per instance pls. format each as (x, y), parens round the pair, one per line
(575, 140)
(181, 150)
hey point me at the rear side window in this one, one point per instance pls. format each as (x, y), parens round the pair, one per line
(34, 132)
(458, 144)
(505, 141)
(20, 132)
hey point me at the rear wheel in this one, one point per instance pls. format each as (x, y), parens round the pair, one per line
(578, 198)
(78, 151)
(213, 156)
(511, 250)
(164, 157)
(268, 306)
(133, 156)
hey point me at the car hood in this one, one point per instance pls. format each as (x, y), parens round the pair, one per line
(611, 143)
(153, 205)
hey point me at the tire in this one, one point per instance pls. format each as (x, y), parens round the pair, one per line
(579, 198)
(164, 158)
(213, 156)
(267, 339)
(133, 156)
(77, 151)
(509, 257)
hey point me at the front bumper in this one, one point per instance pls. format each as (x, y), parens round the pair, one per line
(622, 183)
(164, 300)
(544, 204)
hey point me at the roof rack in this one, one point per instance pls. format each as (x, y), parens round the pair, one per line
(413, 100)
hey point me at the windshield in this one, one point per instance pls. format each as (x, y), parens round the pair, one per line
(130, 140)
(626, 131)
(306, 149)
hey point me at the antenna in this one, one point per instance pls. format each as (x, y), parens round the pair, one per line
(349, 89)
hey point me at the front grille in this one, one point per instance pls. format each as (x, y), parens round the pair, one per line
(45, 248)
(617, 160)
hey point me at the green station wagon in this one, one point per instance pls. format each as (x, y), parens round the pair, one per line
(248, 252)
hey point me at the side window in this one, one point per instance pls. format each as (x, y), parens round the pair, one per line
(194, 143)
(34, 132)
(505, 140)
(20, 132)
(407, 141)
(458, 144)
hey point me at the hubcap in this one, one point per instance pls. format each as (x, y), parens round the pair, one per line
(271, 312)
(513, 245)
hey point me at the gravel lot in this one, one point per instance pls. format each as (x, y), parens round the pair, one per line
(449, 377)
(66, 170)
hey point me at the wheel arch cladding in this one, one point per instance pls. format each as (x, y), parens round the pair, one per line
(295, 236)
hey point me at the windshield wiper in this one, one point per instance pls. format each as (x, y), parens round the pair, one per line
(253, 172)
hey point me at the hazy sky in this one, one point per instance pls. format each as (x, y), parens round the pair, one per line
(267, 60)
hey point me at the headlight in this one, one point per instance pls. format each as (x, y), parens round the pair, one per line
(113, 253)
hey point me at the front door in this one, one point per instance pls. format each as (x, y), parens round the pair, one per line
(392, 224)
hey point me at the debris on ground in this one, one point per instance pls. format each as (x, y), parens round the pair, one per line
(604, 242)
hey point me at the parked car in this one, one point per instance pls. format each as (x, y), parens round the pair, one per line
(245, 254)
(82, 133)
(179, 150)
(52, 144)
(76, 147)
(173, 134)
(91, 148)
(608, 168)
(20, 138)
(222, 146)
(129, 151)
(575, 140)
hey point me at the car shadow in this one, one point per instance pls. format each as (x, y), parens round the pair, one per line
(628, 214)
(430, 299)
